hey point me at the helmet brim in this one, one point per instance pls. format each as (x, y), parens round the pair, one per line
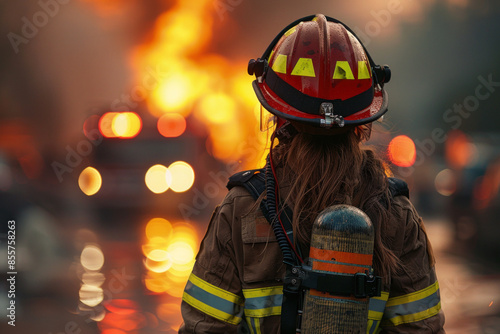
(275, 105)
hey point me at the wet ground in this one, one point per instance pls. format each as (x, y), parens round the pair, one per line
(470, 293)
(470, 287)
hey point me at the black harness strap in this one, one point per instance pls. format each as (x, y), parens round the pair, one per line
(254, 181)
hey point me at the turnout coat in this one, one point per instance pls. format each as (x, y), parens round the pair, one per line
(237, 281)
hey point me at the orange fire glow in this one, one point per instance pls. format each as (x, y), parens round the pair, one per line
(216, 91)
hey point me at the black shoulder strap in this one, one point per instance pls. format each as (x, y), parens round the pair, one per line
(254, 181)
(398, 187)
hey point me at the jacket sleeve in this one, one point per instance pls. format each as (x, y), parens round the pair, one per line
(212, 300)
(414, 304)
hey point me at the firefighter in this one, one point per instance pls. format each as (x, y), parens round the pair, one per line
(324, 90)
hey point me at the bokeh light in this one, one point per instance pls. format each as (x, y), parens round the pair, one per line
(91, 295)
(121, 306)
(156, 282)
(158, 255)
(185, 232)
(181, 251)
(105, 124)
(157, 179)
(169, 312)
(169, 255)
(91, 124)
(158, 266)
(112, 331)
(459, 150)
(155, 243)
(158, 227)
(98, 316)
(126, 125)
(445, 182)
(93, 278)
(171, 125)
(120, 124)
(92, 258)
(402, 151)
(90, 181)
(129, 323)
(182, 176)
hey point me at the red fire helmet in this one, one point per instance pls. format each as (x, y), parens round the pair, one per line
(317, 72)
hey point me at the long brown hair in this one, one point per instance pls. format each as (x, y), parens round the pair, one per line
(323, 170)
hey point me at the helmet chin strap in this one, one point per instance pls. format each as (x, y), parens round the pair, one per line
(285, 130)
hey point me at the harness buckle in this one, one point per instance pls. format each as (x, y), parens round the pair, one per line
(367, 285)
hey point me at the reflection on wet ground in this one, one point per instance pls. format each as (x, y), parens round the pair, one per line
(470, 289)
(125, 286)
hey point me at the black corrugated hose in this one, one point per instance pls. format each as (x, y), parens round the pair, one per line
(288, 256)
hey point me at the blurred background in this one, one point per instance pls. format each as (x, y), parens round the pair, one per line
(120, 122)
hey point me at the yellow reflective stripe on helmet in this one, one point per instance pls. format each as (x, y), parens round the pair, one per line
(363, 71)
(212, 300)
(412, 307)
(279, 65)
(270, 56)
(263, 302)
(342, 70)
(304, 67)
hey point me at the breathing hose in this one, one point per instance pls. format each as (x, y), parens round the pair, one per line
(288, 256)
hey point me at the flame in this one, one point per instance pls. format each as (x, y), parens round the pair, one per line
(200, 86)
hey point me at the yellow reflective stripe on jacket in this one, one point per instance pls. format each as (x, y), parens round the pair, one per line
(263, 302)
(412, 307)
(376, 307)
(212, 300)
(254, 325)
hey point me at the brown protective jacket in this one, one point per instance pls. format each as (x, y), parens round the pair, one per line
(236, 283)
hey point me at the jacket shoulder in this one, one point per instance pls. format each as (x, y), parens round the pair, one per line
(252, 180)
(242, 177)
(398, 187)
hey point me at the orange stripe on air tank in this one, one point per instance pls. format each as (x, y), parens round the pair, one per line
(313, 292)
(338, 256)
